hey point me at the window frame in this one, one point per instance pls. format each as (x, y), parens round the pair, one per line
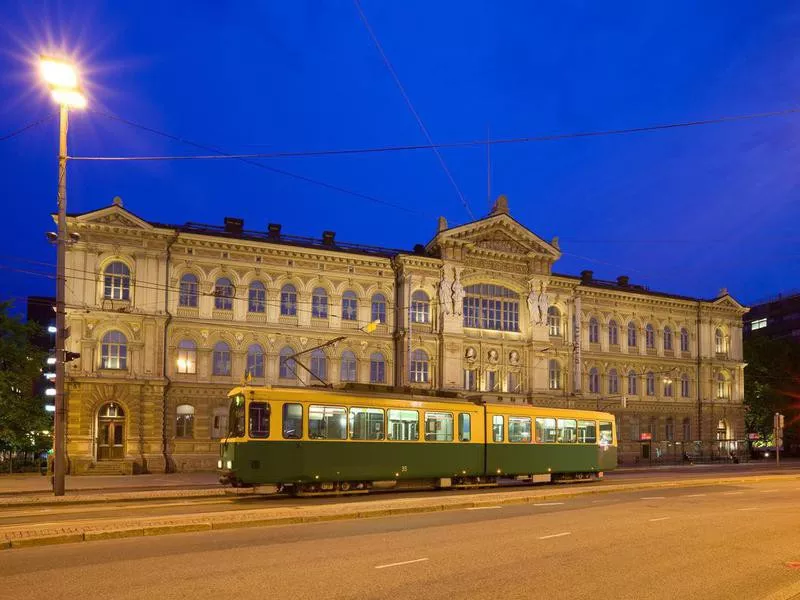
(188, 291)
(224, 294)
(444, 418)
(319, 303)
(186, 361)
(367, 411)
(114, 351)
(117, 285)
(220, 356)
(521, 434)
(403, 421)
(256, 297)
(298, 435)
(288, 300)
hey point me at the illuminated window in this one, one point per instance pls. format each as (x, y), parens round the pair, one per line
(420, 307)
(438, 427)
(221, 359)
(327, 422)
(349, 306)
(319, 303)
(554, 321)
(567, 431)
(719, 341)
(587, 432)
(257, 298)
(594, 331)
(288, 301)
(184, 424)
(498, 428)
(758, 324)
(723, 386)
(188, 291)
(668, 388)
(187, 357)
(378, 312)
(419, 366)
(403, 425)
(255, 361)
(488, 306)
(554, 369)
(366, 424)
(117, 281)
(114, 351)
(223, 294)
(292, 421)
(613, 333)
(545, 430)
(377, 368)
(464, 427)
(519, 430)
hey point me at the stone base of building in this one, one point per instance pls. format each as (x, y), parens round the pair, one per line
(183, 463)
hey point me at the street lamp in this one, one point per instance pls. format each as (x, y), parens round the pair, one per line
(62, 77)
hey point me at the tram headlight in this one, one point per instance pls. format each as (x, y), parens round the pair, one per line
(219, 464)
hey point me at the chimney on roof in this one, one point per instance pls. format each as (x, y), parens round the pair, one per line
(500, 206)
(587, 276)
(234, 225)
(623, 281)
(327, 238)
(419, 249)
(274, 231)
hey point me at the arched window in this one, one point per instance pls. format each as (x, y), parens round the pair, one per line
(632, 386)
(684, 386)
(114, 351)
(594, 331)
(651, 384)
(255, 361)
(348, 366)
(719, 341)
(420, 307)
(187, 357)
(319, 303)
(613, 333)
(419, 366)
(594, 381)
(554, 371)
(349, 306)
(287, 367)
(319, 365)
(649, 336)
(223, 294)
(184, 423)
(723, 386)
(667, 339)
(631, 335)
(257, 298)
(684, 340)
(613, 382)
(668, 387)
(488, 306)
(117, 281)
(288, 301)
(221, 359)
(378, 312)
(687, 429)
(377, 368)
(188, 292)
(554, 320)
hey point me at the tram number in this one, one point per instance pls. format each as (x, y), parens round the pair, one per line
(403, 469)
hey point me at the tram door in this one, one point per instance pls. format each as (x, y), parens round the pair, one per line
(110, 432)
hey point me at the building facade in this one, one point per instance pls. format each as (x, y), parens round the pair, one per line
(777, 318)
(168, 318)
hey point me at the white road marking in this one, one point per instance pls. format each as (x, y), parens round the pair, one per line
(484, 507)
(658, 519)
(694, 495)
(750, 508)
(555, 535)
(596, 501)
(549, 504)
(653, 498)
(768, 491)
(405, 562)
(732, 493)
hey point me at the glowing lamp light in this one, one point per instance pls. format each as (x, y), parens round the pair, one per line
(50, 392)
(51, 360)
(52, 329)
(182, 364)
(71, 98)
(58, 73)
(50, 408)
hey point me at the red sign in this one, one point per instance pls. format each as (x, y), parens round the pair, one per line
(753, 436)
(645, 437)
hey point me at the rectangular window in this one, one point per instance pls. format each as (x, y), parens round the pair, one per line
(669, 433)
(606, 433)
(587, 432)
(545, 430)
(490, 383)
(758, 324)
(438, 427)
(497, 428)
(470, 381)
(514, 385)
(327, 422)
(471, 312)
(259, 420)
(292, 421)
(464, 427)
(519, 430)
(403, 425)
(567, 431)
(366, 424)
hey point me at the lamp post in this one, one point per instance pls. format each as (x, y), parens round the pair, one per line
(62, 77)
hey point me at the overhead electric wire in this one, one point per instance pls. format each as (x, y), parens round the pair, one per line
(8, 136)
(410, 105)
(244, 159)
(446, 145)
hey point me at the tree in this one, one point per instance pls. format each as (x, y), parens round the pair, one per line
(772, 384)
(22, 414)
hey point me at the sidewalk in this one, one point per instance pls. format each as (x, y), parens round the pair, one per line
(30, 483)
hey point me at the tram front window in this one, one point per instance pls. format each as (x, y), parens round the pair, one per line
(236, 417)
(259, 420)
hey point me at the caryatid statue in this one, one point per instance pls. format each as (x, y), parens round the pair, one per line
(445, 293)
(458, 294)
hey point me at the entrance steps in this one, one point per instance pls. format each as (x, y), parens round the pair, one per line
(107, 467)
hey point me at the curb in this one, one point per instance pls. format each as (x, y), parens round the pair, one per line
(233, 520)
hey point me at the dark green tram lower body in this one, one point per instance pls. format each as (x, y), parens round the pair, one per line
(287, 462)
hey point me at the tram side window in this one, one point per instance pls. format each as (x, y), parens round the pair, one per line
(236, 417)
(567, 431)
(366, 424)
(438, 427)
(403, 425)
(292, 421)
(519, 429)
(497, 428)
(259, 420)
(327, 422)
(606, 433)
(587, 432)
(545, 430)
(464, 427)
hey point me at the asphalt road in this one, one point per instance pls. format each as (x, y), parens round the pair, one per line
(718, 541)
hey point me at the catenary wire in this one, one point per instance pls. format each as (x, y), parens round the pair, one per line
(13, 134)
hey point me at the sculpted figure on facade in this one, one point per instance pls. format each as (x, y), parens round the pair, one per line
(532, 310)
(544, 303)
(445, 293)
(458, 294)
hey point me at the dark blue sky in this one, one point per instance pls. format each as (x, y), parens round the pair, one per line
(685, 211)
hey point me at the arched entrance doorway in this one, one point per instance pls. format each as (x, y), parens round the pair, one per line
(725, 441)
(110, 432)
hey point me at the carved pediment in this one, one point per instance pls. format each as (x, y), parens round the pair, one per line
(728, 302)
(502, 243)
(115, 216)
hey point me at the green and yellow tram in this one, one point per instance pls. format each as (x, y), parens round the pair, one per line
(306, 440)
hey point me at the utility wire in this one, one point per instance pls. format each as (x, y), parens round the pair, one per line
(424, 129)
(8, 136)
(447, 145)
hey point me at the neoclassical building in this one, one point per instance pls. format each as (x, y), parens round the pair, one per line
(167, 318)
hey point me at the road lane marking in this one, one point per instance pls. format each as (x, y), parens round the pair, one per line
(549, 504)
(653, 498)
(555, 535)
(405, 562)
(768, 491)
(658, 519)
(750, 508)
(732, 493)
(694, 495)
(484, 507)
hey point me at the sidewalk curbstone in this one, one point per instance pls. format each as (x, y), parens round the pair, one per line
(176, 528)
(47, 540)
(112, 534)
